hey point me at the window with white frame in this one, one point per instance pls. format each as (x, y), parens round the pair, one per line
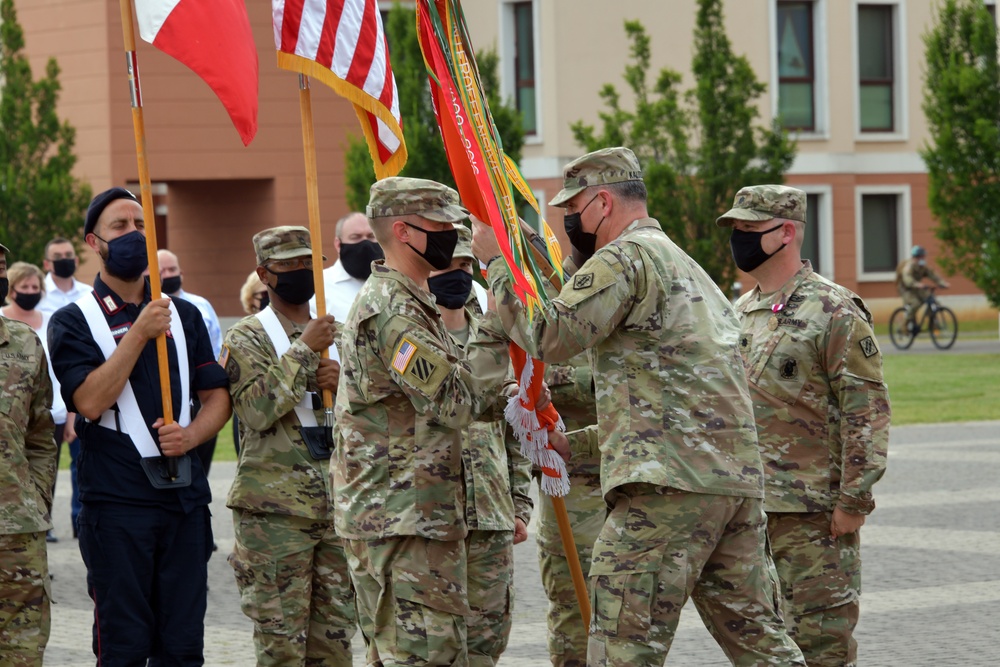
(883, 230)
(525, 96)
(796, 65)
(877, 68)
(991, 7)
(817, 242)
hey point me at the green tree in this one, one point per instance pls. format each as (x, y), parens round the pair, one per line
(39, 197)
(423, 139)
(962, 106)
(698, 147)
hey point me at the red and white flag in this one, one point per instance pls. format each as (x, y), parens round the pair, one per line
(342, 44)
(214, 39)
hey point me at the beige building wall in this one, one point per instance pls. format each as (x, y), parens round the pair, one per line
(580, 45)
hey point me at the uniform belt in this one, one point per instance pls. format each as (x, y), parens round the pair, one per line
(110, 420)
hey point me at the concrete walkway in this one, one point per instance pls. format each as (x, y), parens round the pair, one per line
(931, 551)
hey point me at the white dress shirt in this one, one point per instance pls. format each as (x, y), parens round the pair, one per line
(55, 298)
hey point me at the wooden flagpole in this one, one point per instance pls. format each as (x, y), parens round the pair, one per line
(315, 232)
(146, 196)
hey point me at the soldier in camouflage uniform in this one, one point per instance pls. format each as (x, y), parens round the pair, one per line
(27, 472)
(679, 461)
(289, 563)
(911, 277)
(497, 478)
(406, 395)
(822, 413)
(572, 387)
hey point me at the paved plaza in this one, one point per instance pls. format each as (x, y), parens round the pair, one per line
(931, 568)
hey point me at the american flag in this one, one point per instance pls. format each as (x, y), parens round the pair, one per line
(403, 355)
(342, 44)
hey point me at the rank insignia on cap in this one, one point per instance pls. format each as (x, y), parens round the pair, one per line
(868, 347)
(583, 281)
(422, 369)
(404, 353)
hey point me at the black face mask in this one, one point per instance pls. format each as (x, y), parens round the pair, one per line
(27, 301)
(451, 289)
(357, 258)
(126, 256)
(440, 247)
(295, 287)
(3, 289)
(171, 285)
(265, 301)
(747, 250)
(64, 268)
(585, 242)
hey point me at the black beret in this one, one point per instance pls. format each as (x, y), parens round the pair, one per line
(100, 202)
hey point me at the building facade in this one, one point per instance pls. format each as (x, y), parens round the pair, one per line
(845, 76)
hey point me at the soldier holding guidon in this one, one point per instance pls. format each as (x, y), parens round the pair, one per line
(822, 411)
(679, 460)
(290, 565)
(406, 395)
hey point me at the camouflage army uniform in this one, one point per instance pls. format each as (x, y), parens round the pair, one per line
(290, 566)
(822, 411)
(679, 459)
(27, 470)
(909, 275)
(497, 485)
(573, 396)
(406, 394)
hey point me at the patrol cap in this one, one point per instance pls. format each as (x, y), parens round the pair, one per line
(603, 167)
(415, 196)
(281, 243)
(100, 202)
(758, 203)
(464, 246)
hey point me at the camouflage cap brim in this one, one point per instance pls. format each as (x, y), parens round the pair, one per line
(292, 254)
(727, 219)
(565, 195)
(449, 213)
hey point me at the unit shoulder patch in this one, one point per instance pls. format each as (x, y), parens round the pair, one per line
(583, 280)
(868, 346)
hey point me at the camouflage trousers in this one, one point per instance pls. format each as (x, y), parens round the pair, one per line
(913, 299)
(660, 546)
(24, 599)
(294, 585)
(587, 511)
(491, 594)
(412, 600)
(820, 585)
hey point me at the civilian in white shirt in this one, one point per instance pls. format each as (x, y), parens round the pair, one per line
(60, 289)
(356, 250)
(170, 283)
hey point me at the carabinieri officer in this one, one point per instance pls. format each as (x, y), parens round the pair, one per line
(145, 537)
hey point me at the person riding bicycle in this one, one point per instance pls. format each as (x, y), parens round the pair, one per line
(911, 280)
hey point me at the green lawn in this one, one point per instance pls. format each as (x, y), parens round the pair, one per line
(943, 387)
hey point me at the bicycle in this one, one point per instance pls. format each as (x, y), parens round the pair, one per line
(939, 321)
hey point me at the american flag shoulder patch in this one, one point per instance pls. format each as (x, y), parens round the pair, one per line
(404, 354)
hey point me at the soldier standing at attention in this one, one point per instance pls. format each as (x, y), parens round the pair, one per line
(679, 461)
(497, 478)
(290, 565)
(406, 395)
(822, 413)
(572, 387)
(27, 471)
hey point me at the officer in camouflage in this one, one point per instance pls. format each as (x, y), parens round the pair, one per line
(27, 472)
(406, 395)
(289, 563)
(679, 461)
(497, 478)
(572, 387)
(822, 411)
